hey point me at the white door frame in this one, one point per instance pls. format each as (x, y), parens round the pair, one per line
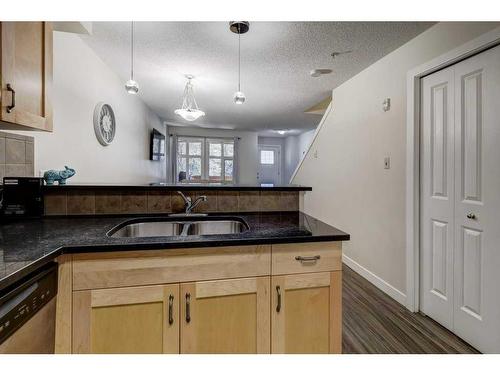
(468, 49)
(280, 174)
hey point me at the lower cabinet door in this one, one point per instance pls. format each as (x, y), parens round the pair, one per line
(226, 316)
(126, 320)
(307, 313)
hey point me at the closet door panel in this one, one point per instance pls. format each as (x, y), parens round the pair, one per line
(437, 196)
(477, 200)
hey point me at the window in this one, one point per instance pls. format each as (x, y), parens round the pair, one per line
(267, 157)
(220, 159)
(189, 158)
(207, 159)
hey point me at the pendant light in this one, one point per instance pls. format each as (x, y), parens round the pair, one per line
(189, 110)
(239, 27)
(132, 86)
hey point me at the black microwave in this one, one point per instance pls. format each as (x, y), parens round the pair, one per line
(22, 197)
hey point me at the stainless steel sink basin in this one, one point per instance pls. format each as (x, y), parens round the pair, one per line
(168, 227)
(148, 229)
(198, 228)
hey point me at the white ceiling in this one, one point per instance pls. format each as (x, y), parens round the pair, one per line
(276, 60)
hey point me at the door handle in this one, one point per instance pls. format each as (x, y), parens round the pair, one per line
(278, 292)
(471, 216)
(13, 102)
(170, 309)
(188, 307)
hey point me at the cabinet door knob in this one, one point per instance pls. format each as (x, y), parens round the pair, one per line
(471, 216)
(278, 292)
(170, 309)
(13, 102)
(188, 307)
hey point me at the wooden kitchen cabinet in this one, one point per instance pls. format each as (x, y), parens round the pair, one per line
(127, 320)
(26, 75)
(307, 313)
(224, 300)
(226, 316)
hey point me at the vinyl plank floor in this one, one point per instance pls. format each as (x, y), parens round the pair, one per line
(374, 323)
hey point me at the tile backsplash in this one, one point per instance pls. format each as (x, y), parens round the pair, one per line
(16, 155)
(95, 202)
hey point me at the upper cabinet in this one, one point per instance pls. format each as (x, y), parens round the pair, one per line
(26, 75)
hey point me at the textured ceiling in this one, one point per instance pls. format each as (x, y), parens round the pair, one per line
(276, 60)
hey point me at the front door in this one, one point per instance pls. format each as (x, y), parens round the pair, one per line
(269, 165)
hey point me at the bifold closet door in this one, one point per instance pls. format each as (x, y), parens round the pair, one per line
(460, 199)
(477, 201)
(437, 196)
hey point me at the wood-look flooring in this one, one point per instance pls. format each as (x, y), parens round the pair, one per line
(375, 323)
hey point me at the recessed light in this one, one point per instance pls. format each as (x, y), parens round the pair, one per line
(319, 72)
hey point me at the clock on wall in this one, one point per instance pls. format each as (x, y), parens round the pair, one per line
(104, 123)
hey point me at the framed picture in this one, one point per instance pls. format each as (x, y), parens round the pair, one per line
(157, 146)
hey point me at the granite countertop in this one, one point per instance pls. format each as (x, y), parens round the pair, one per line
(28, 245)
(179, 186)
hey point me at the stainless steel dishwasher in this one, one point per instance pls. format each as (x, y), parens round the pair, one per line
(27, 314)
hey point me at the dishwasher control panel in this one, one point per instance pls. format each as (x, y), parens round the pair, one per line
(25, 300)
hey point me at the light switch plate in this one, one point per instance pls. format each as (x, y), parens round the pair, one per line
(387, 162)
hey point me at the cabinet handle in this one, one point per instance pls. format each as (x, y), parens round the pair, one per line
(188, 307)
(170, 309)
(13, 102)
(314, 258)
(278, 292)
(471, 216)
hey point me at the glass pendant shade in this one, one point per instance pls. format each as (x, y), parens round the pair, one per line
(189, 110)
(239, 97)
(189, 114)
(132, 86)
(239, 27)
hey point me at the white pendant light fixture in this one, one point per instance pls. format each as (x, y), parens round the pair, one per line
(132, 86)
(239, 27)
(189, 110)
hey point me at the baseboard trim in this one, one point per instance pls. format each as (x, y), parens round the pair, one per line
(380, 283)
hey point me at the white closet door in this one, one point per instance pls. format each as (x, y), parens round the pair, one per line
(437, 196)
(477, 197)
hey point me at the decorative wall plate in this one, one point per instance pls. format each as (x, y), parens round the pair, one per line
(104, 123)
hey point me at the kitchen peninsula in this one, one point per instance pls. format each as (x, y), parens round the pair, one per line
(272, 285)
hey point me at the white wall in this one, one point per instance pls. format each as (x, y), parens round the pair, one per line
(351, 188)
(81, 80)
(247, 148)
(276, 141)
(295, 148)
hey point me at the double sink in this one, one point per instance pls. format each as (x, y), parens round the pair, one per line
(188, 225)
